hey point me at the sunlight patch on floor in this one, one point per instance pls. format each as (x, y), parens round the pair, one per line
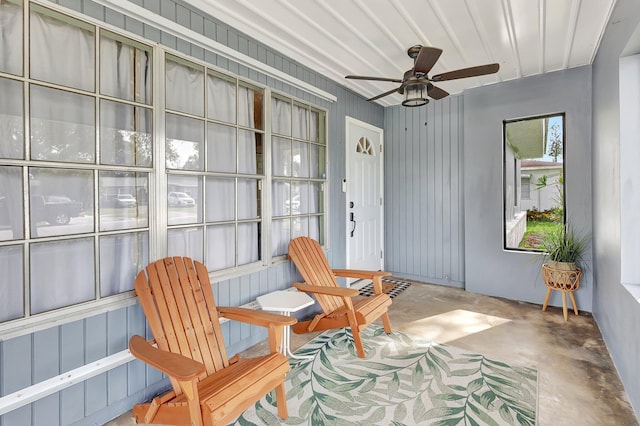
(453, 325)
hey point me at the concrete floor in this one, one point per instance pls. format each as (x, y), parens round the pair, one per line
(578, 384)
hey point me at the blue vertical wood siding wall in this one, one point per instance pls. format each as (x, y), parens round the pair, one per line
(31, 358)
(424, 212)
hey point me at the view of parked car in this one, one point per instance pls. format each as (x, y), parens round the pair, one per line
(180, 199)
(119, 200)
(54, 209)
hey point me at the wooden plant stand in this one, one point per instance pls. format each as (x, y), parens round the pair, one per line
(564, 281)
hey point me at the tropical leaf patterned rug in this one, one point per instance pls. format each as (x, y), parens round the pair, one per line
(403, 381)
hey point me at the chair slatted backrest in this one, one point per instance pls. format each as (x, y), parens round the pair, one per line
(309, 258)
(177, 299)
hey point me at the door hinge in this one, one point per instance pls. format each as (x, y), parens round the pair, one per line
(381, 257)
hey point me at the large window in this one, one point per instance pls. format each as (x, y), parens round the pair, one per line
(298, 153)
(533, 180)
(97, 177)
(67, 235)
(214, 156)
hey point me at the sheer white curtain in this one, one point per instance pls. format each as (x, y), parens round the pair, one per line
(11, 38)
(70, 281)
(184, 88)
(61, 53)
(63, 129)
(225, 239)
(11, 119)
(125, 130)
(11, 289)
(121, 258)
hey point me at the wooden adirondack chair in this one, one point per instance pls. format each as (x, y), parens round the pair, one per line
(208, 388)
(341, 307)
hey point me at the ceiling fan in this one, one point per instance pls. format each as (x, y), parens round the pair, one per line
(416, 84)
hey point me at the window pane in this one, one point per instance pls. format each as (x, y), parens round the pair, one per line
(247, 142)
(184, 199)
(317, 162)
(300, 227)
(62, 274)
(281, 157)
(11, 37)
(221, 148)
(221, 199)
(533, 187)
(185, 141)
(280, 202)
(315, 230)
(247, 199)
(314, 129)
(221, 247)
(59, 199)
(300, 159)
(11, 118)
(316, 199)
(300, 122)
(62, 126)
(123, 200)
(221, 100)
(125, 69)
(280, 117)
(53, 33)
(280, 237)
(185, 88)
(11, 211)
(11, 290)
(249, 107)
(248, 243)
(121, 258)
(302, 197)
(125, 134)
(185, 242)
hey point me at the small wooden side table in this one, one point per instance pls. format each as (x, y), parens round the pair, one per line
(285, 302)
(564, 281)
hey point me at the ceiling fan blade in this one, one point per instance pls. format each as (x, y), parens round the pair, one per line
(437, 93)
(383, 95)
(362, 77)
(467, 72)
(426, 59)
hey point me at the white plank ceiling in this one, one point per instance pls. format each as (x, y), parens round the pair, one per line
(371, 37)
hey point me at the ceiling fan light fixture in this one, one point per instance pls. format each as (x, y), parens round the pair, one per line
(415, 95)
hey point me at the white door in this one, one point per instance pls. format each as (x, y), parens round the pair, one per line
(364, 195)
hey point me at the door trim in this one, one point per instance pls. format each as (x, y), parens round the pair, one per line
(346, 188)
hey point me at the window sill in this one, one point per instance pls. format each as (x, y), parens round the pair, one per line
(634, 289)
(21, 327)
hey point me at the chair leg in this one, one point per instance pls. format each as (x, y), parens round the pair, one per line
(357, 340)
(386, 322)
(281, 401)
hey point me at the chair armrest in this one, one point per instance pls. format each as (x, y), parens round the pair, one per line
(331, 291)
(355, 273)
(174, 365)
(255, 317)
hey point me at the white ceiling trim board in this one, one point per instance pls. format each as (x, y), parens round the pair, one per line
(380, 25)
(128, 8)
(542, 23)
(571, 30)
(358, 34)
(482, 35)
(508, 18)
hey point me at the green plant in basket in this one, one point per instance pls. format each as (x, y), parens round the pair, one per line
(564, 247)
